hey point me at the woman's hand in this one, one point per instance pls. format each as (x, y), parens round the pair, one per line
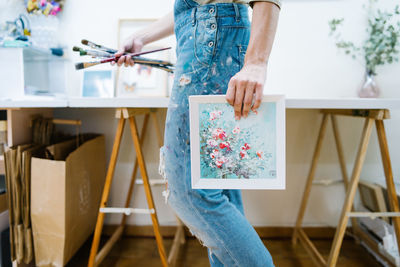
(155, 31)
(133, 44)
(249, 81)
(245, 89)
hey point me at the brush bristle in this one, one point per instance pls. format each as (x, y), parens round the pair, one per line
(84, 41)
(79, 66)
(75, 48)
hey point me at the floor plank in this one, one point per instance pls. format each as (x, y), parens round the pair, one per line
(134, 251)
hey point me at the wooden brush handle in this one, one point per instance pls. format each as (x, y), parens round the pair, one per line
(133, 55)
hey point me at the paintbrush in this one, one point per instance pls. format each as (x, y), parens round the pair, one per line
(102, 54)
(158, 66)
(99, 47)
(84, 65)
(108, 52)
(139, 60)
(106, 49)
(93, 53)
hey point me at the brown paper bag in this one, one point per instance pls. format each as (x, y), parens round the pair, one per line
(17, 167)
(65, 199)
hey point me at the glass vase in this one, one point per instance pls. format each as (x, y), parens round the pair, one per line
(369, 88)
(44, 30)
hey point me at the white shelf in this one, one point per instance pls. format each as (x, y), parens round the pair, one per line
(39, 54)
(29, 70)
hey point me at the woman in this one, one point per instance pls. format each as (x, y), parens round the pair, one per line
(212, 40)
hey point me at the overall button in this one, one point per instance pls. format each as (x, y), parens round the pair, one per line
(213, 26)
(210, 44)
(211, 10)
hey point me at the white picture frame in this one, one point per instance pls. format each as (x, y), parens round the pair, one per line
(220, 156)
(97, 83)
(141, 80)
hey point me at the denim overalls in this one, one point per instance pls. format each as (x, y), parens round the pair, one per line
(211, 45)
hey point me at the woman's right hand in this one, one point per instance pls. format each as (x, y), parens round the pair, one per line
(133, 44)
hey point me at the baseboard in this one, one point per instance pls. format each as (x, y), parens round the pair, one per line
(263, 231)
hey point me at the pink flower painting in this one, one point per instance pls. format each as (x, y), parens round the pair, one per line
(229, 149)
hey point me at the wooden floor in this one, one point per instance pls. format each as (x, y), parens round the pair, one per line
(136, 251)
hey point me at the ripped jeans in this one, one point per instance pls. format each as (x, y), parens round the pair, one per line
(211, 44)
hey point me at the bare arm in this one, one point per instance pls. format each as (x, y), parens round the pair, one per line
(249, 81)
(155, 31)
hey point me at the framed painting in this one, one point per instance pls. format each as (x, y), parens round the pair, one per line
(98, 83)
(372, 197)
(244, 154)
(141, 80)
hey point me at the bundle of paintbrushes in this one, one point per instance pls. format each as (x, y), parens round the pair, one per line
(105, 55)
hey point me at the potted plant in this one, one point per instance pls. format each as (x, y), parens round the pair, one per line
(379, 48)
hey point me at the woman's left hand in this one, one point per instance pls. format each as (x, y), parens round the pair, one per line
(245, 88)
(248, 84)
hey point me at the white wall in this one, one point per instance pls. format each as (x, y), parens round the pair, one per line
(304, 63)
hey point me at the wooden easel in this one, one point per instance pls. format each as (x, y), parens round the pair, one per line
(371, 116)
(129, 114)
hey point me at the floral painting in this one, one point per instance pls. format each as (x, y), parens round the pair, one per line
(243, 149)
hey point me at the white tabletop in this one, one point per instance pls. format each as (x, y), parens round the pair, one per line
(162, 102)
(134, 102)
(343, 103)
(34, 102)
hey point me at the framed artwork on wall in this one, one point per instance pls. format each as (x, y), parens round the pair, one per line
(141, 80)
(244, 154)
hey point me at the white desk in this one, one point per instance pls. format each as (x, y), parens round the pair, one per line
(291, 103)
(162, 102)
(34, 102)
